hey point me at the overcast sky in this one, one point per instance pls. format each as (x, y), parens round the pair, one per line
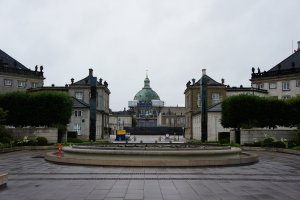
(173, 39)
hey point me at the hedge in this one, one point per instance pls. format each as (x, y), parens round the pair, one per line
(36, 109)
(247, 111)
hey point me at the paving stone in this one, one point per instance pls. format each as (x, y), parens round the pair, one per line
(275, 176)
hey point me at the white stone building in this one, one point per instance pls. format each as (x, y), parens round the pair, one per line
(80, 92)
(16, 77)
(283, 80)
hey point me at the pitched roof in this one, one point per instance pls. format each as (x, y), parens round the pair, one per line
(10, 62)
(79, 104)
(211, 81)
(215, 108)
(291, 62)
(85, 81)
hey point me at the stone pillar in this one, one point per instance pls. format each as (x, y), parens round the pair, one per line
(204, 116)
(93, 83)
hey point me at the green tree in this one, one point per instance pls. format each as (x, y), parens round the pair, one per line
(294, 111)
(37, 109)
(133, 121)
(2, 115)
(247, 111)
(240, 111)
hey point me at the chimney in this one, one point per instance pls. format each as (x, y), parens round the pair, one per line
(90, 72)
(203, 72)
(298, 46)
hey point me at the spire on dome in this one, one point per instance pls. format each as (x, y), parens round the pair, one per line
(147, 81)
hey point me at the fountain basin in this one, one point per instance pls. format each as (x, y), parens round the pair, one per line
(152, 156)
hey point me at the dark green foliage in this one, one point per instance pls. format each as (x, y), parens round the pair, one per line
(247, 111)
(255, 144)
(294, 111)
(5, 137)
(3, 114)
(268, 142)
(296, 136)
(75, 140)
(61, 129)
(52, 108)
(72, 134)
(41, 141)
(224, 137)
(18, 106)
(36, 109)
(32, 142)
(278, 144)
(239, 111)
(133, 121)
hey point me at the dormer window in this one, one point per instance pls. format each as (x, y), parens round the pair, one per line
(79, 95)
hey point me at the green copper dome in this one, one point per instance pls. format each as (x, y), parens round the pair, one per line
(146, 94)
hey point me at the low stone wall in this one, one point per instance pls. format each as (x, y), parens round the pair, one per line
(3, 179)
(19, 133)
(256, 135)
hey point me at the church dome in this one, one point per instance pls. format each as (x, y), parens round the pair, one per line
(146, 94)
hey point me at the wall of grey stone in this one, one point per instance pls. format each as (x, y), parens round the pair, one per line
(19, 133)
(256, 135)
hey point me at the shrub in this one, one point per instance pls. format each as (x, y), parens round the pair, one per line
(268, 142)
(254, 144)
(278, 144)
(296, 148)
(224, 137)
(75, 140)
(296, 136)
(31, 142)
(72, 134)
(41, 141)
(4, 136)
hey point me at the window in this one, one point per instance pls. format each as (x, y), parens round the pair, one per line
(21, 84)
(286, 97)
(260, 86)
(297, 83)
(199, 102)
(77, 113)
(187, 103)
(285, 85)
(7, 82)
(215, 98)
(273, 85)
(79, 95)
(77, 128)
(34, 85)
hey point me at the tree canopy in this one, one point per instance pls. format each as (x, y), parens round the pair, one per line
(247, 111)
(36, 109)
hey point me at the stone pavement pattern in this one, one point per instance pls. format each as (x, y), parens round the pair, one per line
(276, 176)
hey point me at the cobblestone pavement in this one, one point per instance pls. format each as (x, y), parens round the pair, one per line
(275, 176)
